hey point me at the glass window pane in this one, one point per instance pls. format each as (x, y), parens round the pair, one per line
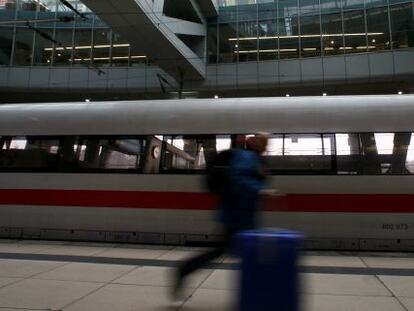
(267, 31)
(28, 6)
(288, 26)
(228, 43)
(409, 164)
(47, 5)
(348, 153)
(247, 46)
(304, 154)
(30, 153)
(303, 145)
(191, 153)
(43, 46)
(352, 4)
(120, 51)
(385, 142)
(7, 13)
(399, 159)
(119, 153)
(310, 28)
(82, 41)
(6, 42)
(288, 37)
(101, 43)
(355, 34)
(332, 34)
(23, 46)
(212, 42)
(378, 29)
(64, 37)
(275, 146)
(288, 8)
(402, 25)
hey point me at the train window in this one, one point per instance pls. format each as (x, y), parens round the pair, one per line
(385, 142)
(399, 156)
(191, 153)
(29, 153)
(301, 153)
(111, 153)
(409, 163)
(348, 153)
(274, 146)
(373, 153)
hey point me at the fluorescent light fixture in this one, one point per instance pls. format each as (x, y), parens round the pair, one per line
(308, 36)
(309, 49)
(87, 47)
(364, 47)
(108, 58)
(265, 51)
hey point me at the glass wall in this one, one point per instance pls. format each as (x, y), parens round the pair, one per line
(250, 30)
(244, 31)
(49, 33)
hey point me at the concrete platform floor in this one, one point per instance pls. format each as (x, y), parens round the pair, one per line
(74, 276)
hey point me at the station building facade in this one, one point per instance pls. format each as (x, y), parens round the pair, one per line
(251, 48)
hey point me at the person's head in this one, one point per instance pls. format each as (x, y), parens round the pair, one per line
(258, 142)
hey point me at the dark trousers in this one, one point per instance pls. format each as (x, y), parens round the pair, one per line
(201, 260)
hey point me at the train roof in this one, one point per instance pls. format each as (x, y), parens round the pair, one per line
(330, 114)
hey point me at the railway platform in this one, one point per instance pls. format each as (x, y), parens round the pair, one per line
(74, 276)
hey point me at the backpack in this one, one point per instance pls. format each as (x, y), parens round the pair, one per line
(217, 172)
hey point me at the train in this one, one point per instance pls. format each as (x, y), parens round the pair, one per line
(134, 171)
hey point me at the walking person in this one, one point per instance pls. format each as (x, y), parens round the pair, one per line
(238, 203)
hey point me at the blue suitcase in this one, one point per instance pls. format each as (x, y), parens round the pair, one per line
(269, 278)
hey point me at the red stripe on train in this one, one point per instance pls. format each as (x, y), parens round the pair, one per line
(350, 203)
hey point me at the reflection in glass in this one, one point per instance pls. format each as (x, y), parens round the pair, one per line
(348, 153)
(310, 28)
(355, 33)
(6, 42)
(378, 28)
(409, 164)
(212, 42)
(82, 42)
(402, 25)
(42, 49)
(332, 34)
(120, 51)
(247, 45)
(63, 53)
(192, 152)
(23, 46)
(228, 41)
(267, 31)
(101, 43)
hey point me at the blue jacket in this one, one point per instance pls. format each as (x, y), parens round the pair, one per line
(239, 204)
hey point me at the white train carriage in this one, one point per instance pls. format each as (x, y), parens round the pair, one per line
(133, 171)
